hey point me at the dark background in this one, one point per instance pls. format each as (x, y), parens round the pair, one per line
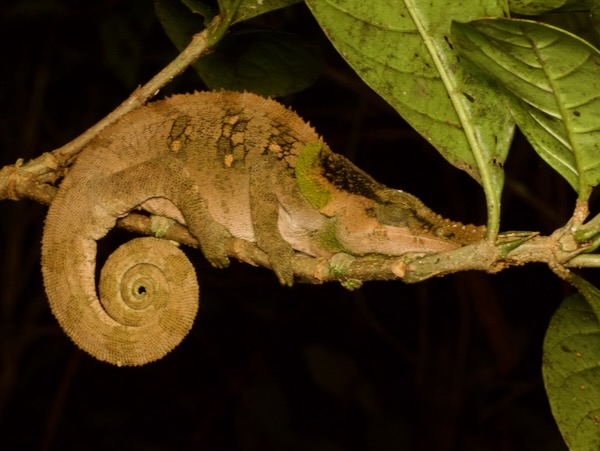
(450, 364)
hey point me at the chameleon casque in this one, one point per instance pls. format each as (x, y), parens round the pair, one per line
(223, 164)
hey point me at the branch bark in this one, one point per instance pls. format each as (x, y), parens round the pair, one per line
(34, 180)
(512, 249)
(26, 180)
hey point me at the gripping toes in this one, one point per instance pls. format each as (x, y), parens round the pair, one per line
(216, 253)
(281, 262)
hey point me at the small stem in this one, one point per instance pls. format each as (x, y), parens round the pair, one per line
(218, 30)
(581, 211)
(588, 230)
(198, 46)
(49, 166)
(584, 261)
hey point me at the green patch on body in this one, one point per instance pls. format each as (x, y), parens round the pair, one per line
(308, 159)
(327, 238)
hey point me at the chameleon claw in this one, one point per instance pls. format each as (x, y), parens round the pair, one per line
(219, 261)
(285, 276)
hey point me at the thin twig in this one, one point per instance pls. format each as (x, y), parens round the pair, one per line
(196, 48)
(31, 180)
(23, 180)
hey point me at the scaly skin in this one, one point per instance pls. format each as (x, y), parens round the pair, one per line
(225, 165)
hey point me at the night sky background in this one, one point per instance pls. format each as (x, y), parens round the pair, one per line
(449, 364)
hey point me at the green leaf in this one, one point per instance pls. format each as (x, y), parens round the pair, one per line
(204, 9)
(555, 78)
(571, 370)
(534, 7)
(265, 62)
(252, 8)
(589, 292)
(179, 22)
(402, 50)
(539, 7)
(240, 10)
(595, 17)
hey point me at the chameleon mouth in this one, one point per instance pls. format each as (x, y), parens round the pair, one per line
(366, 235)
(404, 240)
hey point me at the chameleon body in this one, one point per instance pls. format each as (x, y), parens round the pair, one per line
(224, 164)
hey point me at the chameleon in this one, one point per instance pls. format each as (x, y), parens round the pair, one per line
(224, 164)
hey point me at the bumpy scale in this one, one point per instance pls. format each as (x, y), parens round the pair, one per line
(224, 164)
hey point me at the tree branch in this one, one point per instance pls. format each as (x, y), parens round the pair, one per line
(26, 179)
(512, 249)
(33, 180)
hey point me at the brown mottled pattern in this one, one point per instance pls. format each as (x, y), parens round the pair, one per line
(168, 150)
(225, 164)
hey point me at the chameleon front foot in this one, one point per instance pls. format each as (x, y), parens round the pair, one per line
(149, 290)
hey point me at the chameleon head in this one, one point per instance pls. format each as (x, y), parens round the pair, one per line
(367, 216)
(397, 223)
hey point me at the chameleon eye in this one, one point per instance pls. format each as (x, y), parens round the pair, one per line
(393, 214)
